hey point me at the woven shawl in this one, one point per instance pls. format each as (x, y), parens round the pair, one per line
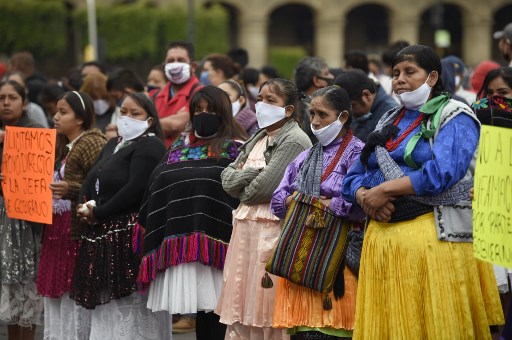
(310, 173)
(186, 214)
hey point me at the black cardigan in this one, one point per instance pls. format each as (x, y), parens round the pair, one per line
(122, 177)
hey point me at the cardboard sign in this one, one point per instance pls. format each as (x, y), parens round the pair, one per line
(492, 204)
(27, 169)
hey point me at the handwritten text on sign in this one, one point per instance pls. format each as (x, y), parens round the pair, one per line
(27, 168)
(492, 205)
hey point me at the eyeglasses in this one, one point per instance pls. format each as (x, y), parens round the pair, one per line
(329, 81)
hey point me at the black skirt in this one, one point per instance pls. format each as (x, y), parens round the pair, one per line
(106, 266)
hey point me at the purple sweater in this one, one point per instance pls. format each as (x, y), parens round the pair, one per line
(247, 120)
(330, 188)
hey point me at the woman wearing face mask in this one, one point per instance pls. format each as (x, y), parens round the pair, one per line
(299, 308)
(185, 219)
(74, 122)
(418, 277)
(245, 306)
(498, 82)
(220, 67)
(156, 79)
(106, 267)
(21, 308)
(241, 110)
(95, 85)
(496, 96)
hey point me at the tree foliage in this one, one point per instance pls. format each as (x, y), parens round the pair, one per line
(134, 31)
(131, 32)
(36, 26)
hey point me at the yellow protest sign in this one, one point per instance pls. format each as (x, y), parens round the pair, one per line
(492, 204)
(27, 168)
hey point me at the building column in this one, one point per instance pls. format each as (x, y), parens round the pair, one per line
(329, 38)
(253, 35)
(404, 25)
(477, 36)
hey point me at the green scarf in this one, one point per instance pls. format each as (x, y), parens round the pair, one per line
(432, 110)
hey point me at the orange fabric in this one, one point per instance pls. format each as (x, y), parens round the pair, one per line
(300, 306)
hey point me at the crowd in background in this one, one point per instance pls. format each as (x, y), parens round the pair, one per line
(170, 195)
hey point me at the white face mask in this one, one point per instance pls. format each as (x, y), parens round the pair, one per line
(177, 73)
(267, 114)
(328, 133)
(413, 100)
(457, 81)
(100, 107)
(236, 107)
(130, 128)
(253, 90)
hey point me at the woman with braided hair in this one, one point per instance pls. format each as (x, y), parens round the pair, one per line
(245, 305)
(319, 172)
(418, 277)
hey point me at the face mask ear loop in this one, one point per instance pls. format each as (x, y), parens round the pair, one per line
(426, 80)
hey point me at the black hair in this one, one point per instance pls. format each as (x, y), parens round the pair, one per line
(270, 71)
(250, 75)
(427, 59)
(355, 81)
(74, 79)
(83, 111)
(20, 90)
(286, 90)
(392, 51)
(219, 103)
(504, 72)
(225, 64)
(186, 46)
(122, 79)
(337, 99)
(357, 59)
(99, 65)
(51, 93)
(147, 105)
(239, 56)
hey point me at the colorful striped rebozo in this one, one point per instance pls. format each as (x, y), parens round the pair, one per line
(311, 246)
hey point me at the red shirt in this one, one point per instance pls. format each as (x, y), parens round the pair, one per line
(166, 106)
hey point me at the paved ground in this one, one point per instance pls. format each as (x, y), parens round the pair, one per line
(39, 334)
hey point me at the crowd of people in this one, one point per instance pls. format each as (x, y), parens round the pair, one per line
(199, 199)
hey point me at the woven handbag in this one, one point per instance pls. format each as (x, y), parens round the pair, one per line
(311, 246)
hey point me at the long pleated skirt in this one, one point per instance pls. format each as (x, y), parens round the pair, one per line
(413, 286)
(298, 307)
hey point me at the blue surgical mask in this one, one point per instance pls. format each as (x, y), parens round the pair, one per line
(203, 78)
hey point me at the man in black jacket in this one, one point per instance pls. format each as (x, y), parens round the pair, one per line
(369, 101)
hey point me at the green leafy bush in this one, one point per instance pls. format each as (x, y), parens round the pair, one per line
(36, 26)
(134, 31)
(134, 35)
(285, 58)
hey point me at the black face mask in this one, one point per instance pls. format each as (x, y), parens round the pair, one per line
(151, 87)
(329, 81)
(205, 124)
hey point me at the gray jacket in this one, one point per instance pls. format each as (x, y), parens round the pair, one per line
(255, 185)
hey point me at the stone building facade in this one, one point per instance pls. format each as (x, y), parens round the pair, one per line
(328, 28)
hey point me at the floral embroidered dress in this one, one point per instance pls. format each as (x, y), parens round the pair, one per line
(186, 223)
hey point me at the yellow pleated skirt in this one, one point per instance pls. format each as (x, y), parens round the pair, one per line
(413, 286)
